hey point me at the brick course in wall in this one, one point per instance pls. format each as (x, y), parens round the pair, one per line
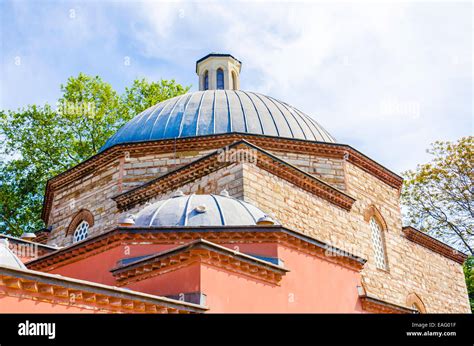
(328, 169)
(140, 169)
(412, 268)
(229, 178)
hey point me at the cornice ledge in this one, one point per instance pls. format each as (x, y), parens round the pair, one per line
(211, 142)
(213, 162)
(433, 244)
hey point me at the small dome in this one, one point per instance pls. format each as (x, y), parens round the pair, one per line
(216, 112)
(8, 258)
(199, 210)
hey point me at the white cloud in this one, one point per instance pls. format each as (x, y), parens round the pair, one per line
(387, 78)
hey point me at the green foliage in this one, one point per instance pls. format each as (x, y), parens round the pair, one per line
(142, 94)
(438, 196)
(40, 142)
(20, 196)
(438, 199)
(89, 111)
(469, 274)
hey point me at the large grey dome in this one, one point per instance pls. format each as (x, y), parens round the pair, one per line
(199, 210)
(219, 111)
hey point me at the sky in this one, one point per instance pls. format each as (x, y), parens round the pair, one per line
(387, 78)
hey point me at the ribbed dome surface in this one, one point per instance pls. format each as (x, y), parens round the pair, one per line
(188, 211)
(219, 111)
(8, 258)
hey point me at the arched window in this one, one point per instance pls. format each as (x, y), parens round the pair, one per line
(415, 302)
(378, 244)
(378, 229)
(206, 80)
(220, 79)
(234, 80)
(81, 232)
(80, 225)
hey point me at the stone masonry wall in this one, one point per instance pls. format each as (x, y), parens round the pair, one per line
(438, 280)
(140, 169)
(412, 268)
(327, 169)
(94, 192)
(229, 178)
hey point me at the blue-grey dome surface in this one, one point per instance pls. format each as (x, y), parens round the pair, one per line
(219, 111)
(199, 210)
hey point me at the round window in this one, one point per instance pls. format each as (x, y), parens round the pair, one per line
(81, 232)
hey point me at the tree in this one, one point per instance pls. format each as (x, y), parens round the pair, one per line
(469, 274)
(20, 197)
(40, 142)
(438, 196)
(142, 94)
(438, 199)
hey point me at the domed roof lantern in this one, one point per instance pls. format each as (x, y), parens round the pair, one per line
(218, 71)
(177, 193)
(128, 220)
(265, 220)
(226, 109)
(28, 236)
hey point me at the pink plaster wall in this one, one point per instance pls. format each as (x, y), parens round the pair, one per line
(312, 285)
(97, 268)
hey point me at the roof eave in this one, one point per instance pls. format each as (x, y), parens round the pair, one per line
(218, 55)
